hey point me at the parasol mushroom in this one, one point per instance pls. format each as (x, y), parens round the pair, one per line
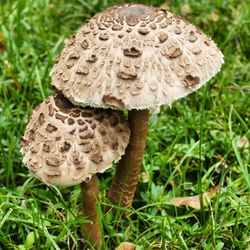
(134, 57)
(67, 145)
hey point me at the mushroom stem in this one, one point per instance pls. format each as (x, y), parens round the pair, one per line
(91, 232)
(127, 173)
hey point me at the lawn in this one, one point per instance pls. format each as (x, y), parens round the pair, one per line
(200, 143)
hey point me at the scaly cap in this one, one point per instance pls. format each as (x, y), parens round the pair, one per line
(136, 57)
(66, 145)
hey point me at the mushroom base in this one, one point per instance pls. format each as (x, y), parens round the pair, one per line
(127, 173)
(91, 232)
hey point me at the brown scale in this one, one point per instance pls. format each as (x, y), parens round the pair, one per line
(85, 31)
(96, 156)
(84, 44)
(60, 117)
(82, 70)
(143, 24)
(76, 160)
(47, 147)
(196, 51)
(207, 41)
(87, 113)
(184, 61)
(41, 118)
(113, 101)
(152, 26)
(65, 77)
(86, 146)
(163, 37)
(91, 25)
(72, 58)
(132, 52)
(24, 143)
(134, 90)
(53, 162)
(177, 30)
(116, 27)
(88, 134)
(106, 24)
(71, 40)
(75, 112)
(58, 138)
(93, 126)
(192, 37)
(101, 26)
(52, 172)
(33, 167)
(83, 129)
(51, 110)
(163, 25)
(191, 81)
(80, 122)
(51, 128)
(159, 19)
(143, 31)
(114, 145)
(121, 35)
(126, 76)
(104, 36)
(34, 149)
(71, 121)
(72, 132)
(65, 147)
(173, 50)
(92, 59)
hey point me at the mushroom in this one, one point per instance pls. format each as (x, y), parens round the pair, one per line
(134, 57)
(67, 145)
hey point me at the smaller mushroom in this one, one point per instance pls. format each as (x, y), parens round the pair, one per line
(71, 145)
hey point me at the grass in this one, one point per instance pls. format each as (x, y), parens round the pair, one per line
(195, 145)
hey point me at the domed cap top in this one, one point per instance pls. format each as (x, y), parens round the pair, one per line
(134, 56)
(134, 12)
(66, 145)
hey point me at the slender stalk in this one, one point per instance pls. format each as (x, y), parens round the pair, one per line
(127, 173)
(90, 192)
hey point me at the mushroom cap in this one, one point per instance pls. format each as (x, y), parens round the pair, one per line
(135, 57)
(66, 145)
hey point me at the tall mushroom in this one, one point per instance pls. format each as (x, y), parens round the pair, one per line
(67, 145)
(134, 57)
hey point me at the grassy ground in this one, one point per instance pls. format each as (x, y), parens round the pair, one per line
(196, 145)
